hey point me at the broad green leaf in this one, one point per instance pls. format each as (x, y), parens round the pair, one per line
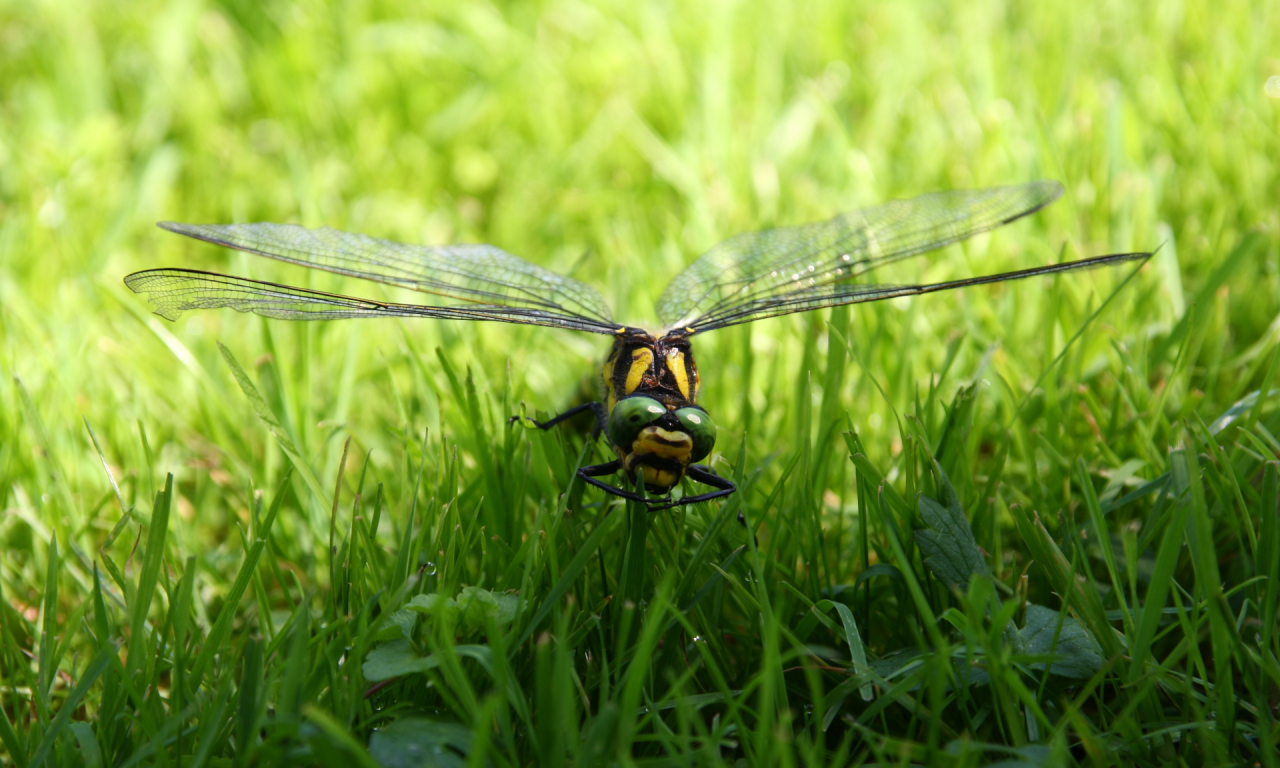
(947, 542)
(478, 604)
(1081, 656)
(397, 658)
(473, 605)
(416, 742)
(430, 604)
(399, 626)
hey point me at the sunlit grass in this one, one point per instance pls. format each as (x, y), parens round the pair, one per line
(170, 592)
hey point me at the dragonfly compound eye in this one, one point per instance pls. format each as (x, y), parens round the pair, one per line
(701, 428)
(629, 416)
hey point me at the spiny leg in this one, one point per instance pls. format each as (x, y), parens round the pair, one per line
(596, 407)
(589, 475)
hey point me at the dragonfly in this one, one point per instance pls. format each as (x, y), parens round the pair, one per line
(649, 411)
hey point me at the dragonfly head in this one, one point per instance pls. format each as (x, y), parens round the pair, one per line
(658, 441)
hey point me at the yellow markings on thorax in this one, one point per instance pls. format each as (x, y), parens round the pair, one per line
(675, 364)
(641, 363)
(608, 370)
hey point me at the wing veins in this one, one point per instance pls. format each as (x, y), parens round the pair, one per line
(860, 294)
(746, 267)
(174, 291)
(407, 266)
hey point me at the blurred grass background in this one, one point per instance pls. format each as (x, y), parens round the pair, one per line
(613, 142)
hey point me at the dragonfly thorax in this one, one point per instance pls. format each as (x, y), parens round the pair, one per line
(655, 427)
(660, 367)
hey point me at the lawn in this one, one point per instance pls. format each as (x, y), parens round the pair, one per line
(1033, 523)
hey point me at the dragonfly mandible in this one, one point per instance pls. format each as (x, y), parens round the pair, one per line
(649, 411)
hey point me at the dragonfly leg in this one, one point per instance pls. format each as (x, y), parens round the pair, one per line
(589, 475)
(596, 408)
(707, 476)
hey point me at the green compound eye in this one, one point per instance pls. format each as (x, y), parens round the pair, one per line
(701, 428)
(631, 415)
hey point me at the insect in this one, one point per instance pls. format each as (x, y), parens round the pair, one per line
(650, 412)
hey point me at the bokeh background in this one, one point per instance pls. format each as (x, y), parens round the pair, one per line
(612, 141)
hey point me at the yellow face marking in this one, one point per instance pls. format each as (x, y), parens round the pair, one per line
(656, 479)
(641, 363)
(675, 364)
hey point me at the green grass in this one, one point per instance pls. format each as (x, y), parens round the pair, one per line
(320, 545)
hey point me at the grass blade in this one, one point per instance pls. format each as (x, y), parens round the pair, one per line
(222, 626)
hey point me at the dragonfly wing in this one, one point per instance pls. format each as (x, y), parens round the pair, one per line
(174, 291)
(753, 269)
(837, 294)
(483, 274)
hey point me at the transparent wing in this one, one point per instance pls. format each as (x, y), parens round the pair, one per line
(844, 293)
(174, 291)
(794, 266)
(482, 274)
